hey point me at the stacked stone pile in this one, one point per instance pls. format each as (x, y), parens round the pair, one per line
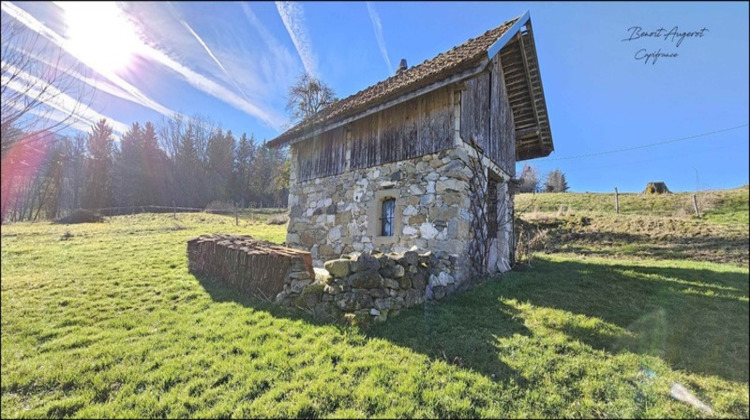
(358, 288)
(371, 286)
(255, 267)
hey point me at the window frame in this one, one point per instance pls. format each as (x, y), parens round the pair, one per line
(388, 221)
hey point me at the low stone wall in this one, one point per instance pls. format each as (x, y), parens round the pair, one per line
(255, 267)
(372, 286)
(359, 288)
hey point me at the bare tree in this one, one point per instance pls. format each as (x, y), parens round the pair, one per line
(529, 180)
(41, 86)
(307, 96)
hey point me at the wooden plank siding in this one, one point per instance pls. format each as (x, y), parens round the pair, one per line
(418, 127)
(414, 128)
(322, 156)
(502, 125)
(475, 110)
(487, 116)
(409, 130)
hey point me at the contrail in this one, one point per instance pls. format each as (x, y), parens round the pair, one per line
(294, 21)
(378, 28)
(33, 24)
(209, 52)
(198, 81)
(55, 98)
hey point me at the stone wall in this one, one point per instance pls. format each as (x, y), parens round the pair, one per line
(371, 286)
(359, 288)
(340, 215)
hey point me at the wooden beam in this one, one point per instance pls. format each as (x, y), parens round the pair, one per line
(528, 76)
(533, 131)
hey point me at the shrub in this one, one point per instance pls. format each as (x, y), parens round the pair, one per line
(221, 207)
(80, 216)
(277, 220)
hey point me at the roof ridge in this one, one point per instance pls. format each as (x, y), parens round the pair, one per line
(411, 78)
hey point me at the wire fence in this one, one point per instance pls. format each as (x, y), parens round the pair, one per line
(683, 204)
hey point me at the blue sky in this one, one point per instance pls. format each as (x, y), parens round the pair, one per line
(233, 62)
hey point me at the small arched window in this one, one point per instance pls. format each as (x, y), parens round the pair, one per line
(387, 215)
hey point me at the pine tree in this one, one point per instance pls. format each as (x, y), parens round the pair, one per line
(243, 163)
(220, 162)
(130, 167)
(100, 144)
(189, 172)
(556, 182)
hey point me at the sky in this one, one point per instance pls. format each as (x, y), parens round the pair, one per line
(619, 117)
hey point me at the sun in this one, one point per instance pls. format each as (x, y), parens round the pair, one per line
(100, 35)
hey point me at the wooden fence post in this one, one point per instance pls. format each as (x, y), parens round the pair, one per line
(695, 206)
(236, 217)
(174, 211)
(617, 201)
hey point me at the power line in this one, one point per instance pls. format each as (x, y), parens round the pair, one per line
(633, 163)
(647, 145)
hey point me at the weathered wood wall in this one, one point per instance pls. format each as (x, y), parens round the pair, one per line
(322, 156)
(486, 115)
(414, 128)
(475, 110)
(502, 127)
(418, 127)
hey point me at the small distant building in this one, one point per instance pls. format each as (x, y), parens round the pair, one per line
(388, 168)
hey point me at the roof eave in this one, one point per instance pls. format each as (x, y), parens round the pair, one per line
(508, 35)
(316, 128)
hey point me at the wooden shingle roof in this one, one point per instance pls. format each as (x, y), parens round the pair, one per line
(459, 60)
(453, 60)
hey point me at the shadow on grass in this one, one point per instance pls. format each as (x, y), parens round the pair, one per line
(694, 319)
(461, 330)
(716, 249)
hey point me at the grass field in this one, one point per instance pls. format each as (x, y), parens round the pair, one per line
(104, 320)
(648, 226)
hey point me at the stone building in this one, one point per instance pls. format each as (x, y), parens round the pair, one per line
(394, 166)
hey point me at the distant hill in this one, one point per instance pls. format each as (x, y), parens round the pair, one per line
(660, 226)
(718, 206)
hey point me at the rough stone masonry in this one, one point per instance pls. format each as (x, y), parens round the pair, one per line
(359, 288)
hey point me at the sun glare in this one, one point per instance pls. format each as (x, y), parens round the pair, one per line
(100, 35)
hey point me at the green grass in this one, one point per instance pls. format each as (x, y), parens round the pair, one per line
(723, 206)
(104, 320)
(648, 226)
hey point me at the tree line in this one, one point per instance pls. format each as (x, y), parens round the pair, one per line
(182, 162)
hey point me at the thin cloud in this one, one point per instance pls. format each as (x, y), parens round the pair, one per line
(294, 20)
(56, 99)
(212, 88)
(98, 84)
(195, 79)
(378, 28)
(208, 51)
(280, 64)
(135, 95)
